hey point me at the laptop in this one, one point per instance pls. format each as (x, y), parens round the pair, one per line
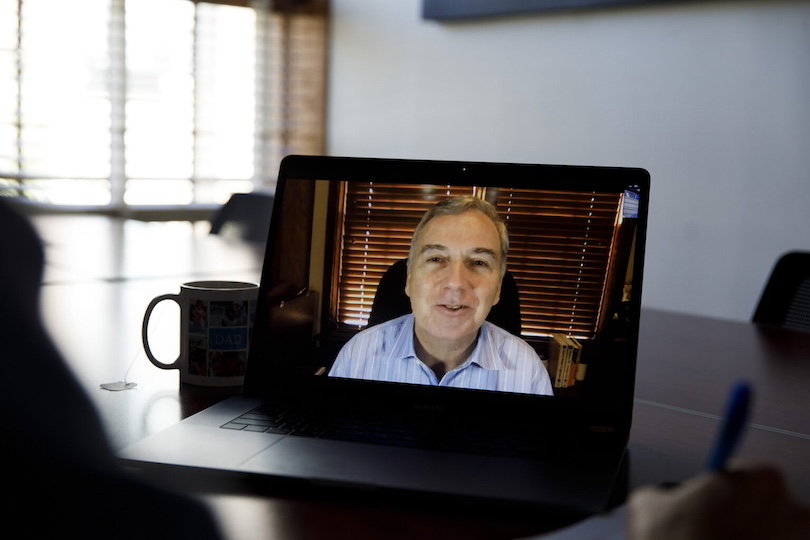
(577, 237)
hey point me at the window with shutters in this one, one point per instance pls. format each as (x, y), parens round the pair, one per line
(561, 249)
(133, 103)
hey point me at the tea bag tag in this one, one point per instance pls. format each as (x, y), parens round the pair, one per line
(118, 386)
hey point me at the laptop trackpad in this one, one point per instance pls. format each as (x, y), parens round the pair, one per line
(364, 464)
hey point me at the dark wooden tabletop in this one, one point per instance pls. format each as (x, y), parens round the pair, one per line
(102, 272)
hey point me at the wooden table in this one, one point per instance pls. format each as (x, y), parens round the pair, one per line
(101, 273)
(687, 365)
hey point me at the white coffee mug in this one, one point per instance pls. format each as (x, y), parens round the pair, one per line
(216, 321)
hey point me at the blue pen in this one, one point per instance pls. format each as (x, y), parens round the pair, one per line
(733, 424)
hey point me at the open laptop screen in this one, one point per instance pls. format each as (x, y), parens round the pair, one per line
(341, 233)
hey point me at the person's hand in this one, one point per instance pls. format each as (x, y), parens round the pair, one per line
(745, 502)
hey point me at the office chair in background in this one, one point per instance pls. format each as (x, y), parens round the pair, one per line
(390, 301)
(245, 216)
(785, 301)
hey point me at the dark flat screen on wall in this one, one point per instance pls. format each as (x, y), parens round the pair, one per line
(468, 9)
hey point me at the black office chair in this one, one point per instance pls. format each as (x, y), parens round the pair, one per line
(390, 301)
(785, 302)
(245, 216)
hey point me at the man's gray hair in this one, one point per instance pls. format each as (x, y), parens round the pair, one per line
(458, 205)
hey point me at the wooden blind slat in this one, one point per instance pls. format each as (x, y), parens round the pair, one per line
(560, 245)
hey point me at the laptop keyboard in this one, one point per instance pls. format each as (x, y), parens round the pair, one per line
(465, 436)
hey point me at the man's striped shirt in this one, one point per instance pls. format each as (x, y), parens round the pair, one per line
(500, 360)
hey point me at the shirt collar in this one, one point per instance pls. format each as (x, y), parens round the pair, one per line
(483, 354)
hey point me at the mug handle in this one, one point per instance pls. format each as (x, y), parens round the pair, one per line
(155, 301)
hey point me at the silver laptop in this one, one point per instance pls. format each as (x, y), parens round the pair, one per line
(334, 266)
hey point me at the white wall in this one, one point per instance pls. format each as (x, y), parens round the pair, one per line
(713, 100)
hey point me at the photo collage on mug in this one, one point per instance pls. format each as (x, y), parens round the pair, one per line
(219, 334)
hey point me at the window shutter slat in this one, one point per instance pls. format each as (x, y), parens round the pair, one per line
(161, 102)
(560, 248)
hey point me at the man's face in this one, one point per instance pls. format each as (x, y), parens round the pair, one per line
(454, 278)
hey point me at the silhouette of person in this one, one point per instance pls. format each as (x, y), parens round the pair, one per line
(65, 480)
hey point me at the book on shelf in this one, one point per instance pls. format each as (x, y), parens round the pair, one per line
(564, 353)
(555, 359)
(575, 350)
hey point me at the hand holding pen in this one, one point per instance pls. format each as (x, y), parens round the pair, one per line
(734, 422)
(739, 501)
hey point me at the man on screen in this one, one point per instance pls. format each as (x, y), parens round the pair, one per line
(455, 267)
